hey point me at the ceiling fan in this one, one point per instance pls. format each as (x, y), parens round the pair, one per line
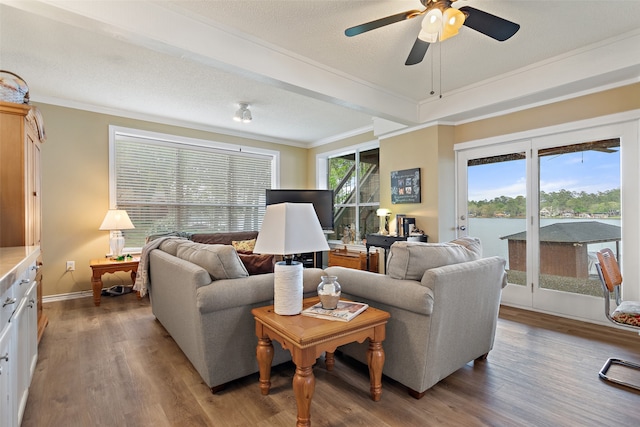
(442, 21)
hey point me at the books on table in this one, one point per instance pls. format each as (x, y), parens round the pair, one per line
(345, 311)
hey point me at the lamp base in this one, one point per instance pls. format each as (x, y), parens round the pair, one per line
(116, 242)
(287, 288)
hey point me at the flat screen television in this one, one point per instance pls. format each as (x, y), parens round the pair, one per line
(322, 201)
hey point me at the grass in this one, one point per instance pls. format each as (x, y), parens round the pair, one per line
(584, 286)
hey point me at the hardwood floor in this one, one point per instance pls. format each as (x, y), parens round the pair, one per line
(115, 365)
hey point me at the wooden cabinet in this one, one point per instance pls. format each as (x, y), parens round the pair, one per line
(353, 259)
(20, 208)
(20, 195)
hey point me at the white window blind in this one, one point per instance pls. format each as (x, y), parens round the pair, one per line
(171, 186)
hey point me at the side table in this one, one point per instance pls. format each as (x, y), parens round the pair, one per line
(307, 338)
(107, 265)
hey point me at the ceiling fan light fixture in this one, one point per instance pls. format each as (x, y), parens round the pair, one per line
(431, 26)
(452, 21)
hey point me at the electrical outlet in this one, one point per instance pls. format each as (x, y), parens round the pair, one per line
(71, 266)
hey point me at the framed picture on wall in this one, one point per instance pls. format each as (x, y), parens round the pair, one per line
(405, 186)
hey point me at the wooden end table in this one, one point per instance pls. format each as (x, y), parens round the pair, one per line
(307, 338)
(107, 265)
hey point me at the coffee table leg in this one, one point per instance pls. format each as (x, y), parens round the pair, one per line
(375, 359)
(329, 361)
(304, 384)
(264, 354)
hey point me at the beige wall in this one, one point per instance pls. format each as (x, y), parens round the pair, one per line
(612, 101)
(75, 186)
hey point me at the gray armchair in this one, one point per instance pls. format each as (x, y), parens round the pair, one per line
(443, 299)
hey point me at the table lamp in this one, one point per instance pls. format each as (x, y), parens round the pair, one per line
(114, 221)
(289, 229)
(383, 214)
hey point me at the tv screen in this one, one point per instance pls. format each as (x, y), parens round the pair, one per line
(322, 201)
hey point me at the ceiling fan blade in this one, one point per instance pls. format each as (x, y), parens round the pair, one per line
(418, 51)
(488, 24)
(363, 28)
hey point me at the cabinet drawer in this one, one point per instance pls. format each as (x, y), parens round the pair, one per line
(9, 302)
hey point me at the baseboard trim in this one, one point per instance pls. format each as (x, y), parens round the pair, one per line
(67, 296)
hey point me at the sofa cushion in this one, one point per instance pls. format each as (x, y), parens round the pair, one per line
(170, 245)
(628, 312)
(409, 260)
(244, 245)
(221, 261)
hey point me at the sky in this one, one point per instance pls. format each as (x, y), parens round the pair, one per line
(589, 171)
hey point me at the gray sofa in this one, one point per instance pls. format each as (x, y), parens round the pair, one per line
(203, 296)
(443, 299)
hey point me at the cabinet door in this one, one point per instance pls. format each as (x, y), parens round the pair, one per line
(32, 329)
(7, 362)
(20, 326)
(32, 193)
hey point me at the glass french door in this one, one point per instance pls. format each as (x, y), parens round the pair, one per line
(547, 205)
(492, 204)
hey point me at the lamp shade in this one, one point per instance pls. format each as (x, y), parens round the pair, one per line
(290, 228)
(116, 219)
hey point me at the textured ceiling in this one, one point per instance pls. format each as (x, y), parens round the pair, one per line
(190, 62)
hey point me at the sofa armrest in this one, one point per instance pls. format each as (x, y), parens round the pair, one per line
(467, 300)
(246, 291)
(405, 294)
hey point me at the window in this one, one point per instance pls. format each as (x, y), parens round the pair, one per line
(167, 183)
(354, 176)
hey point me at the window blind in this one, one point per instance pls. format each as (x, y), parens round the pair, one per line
(170, 186)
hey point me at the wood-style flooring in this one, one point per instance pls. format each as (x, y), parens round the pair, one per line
(115, 365)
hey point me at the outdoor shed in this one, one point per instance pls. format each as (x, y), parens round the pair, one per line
(563, 247)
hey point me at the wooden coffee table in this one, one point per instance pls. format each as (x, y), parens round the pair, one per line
(307, 338)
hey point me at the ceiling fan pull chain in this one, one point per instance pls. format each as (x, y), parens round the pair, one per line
(440, 53)
(432, 70)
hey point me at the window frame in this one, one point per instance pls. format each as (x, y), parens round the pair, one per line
(116, 132)
(322, 173)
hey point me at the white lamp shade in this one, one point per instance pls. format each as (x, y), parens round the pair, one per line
(290, 228)
(116, 219)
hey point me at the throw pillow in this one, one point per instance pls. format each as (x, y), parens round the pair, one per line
(221, 261)
(256, 264)
(244, 245)
(409, 260)
(628, 312)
